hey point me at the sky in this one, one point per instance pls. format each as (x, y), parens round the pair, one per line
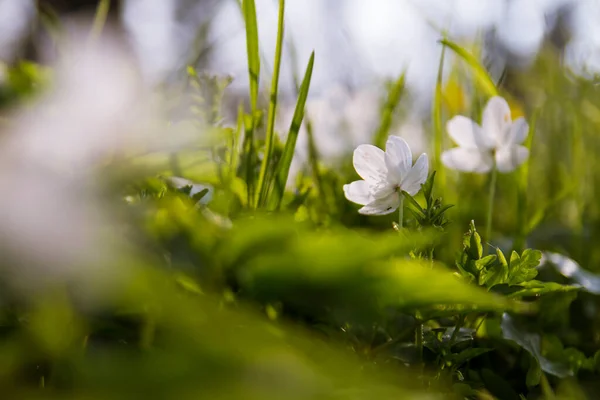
(356, 42)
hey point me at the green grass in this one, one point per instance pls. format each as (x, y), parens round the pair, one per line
(271, 291)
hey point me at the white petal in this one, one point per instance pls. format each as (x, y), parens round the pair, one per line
(510, 157)
(466, 133)
(382, 206)
(357, 192)
(398, 157)
(518, 132)
(496, 120)
(382, 189)
(416, 176)
(369, 163)
(467, 160)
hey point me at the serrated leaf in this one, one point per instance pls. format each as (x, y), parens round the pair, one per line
(523, 268)
(485, 262)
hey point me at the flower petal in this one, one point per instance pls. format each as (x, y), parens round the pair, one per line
(466, 133)
(496, 120)
(510, 157)
(383, 206)
(357, 192)
(416, 176)
(468, 160)
(369, 163)
(398, 158)
(518, 132)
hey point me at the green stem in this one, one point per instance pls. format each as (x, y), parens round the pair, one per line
(490, 211)
(546, 388)
(401, 212)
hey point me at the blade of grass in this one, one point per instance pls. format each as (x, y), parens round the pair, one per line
(483, 79)
(438, 131)
(283, 167)
(394, 96)
(522, 180)
(235, 144)
(313, 153)
(249, 10)
(263, 179)
(249, 157)
(99, 19)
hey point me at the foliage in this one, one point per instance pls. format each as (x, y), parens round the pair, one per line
(270, 290)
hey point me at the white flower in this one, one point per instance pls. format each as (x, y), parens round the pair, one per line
(497, 141)
(385, 176)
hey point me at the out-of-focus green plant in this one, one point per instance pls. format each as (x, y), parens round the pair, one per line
(247, 289)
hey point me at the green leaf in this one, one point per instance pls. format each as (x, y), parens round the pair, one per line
(531, 342)
(473, 246)
(482, 78)
(495, 271)
(418, 209)
(317, 269)
(428, 187)
(468, 354)
(523, 268)
(572, 270)
(485, 262)
(534, 373)
(283, 167)
(537, 288)
(498, 386)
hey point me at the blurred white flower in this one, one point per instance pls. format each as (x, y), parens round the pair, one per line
(496, 143)
(385, 175)
(57, 224)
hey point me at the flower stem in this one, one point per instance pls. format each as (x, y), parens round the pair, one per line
(490, 211)
(401, 212)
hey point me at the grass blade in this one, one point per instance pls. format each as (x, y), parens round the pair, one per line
(249, 10)
(283, 168)
(483, 79)
(263, 179)
(522, 182)
(394, 96)
(438, 130)
(100, 19)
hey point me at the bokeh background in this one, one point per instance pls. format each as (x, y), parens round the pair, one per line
(133, 263)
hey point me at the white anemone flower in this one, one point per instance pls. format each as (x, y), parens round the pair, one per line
(496, 143)
(385, 175)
